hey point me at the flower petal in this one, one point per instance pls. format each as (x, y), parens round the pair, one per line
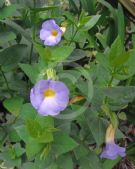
(49, 24)
(49, 107)
(44, 34)
(112, 151)
(58, 86)
(36, 93)
(52, 40)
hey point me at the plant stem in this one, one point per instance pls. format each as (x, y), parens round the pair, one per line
(6, 81)
(34, 16)
(110, 82)
(31, 50)
(73, 37)
(129, 80)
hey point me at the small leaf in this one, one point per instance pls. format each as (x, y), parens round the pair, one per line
(18, 28)
(33, 147)
(116, 49)
(31, 71)
(7, 11)
(98, 128)
(14, 105)
(27, 112)
(91, 23)
(63, 143)
(109, 164)
(10, 57)
(122, 116)
(6, 37)
(120, 59)
(77, 54)
(68, 163)
(90, 161)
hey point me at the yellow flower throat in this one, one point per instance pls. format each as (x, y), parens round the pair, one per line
(54, 33)
(49, 93)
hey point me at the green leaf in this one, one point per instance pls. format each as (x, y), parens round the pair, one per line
(43, 52)
(77, 54)
(122, 116)
(22, 132)
(33, 147)
(45, 121)
(6, 37)
(68, 163)
(116, 49)
(102, 39)
(18, 149)
(89, 6)
(91, 23)
(80, 152)
(53, 166)
(121, 23)
(120, 59)
(74, 6)
(90, 161)
(14, 105)
(70, 17)
(109, 164)
(7, 11)
(109, 6)
(98, 128)
(2, 3)
(31, 71)
(54, 54)
(10, 57)
(46, 8)
(27, 112)
(28, 165)
(34, 128)
(120, 96)
(18, 28)
(127, 69)
(63, 143)
(13, 135)
(42, 133)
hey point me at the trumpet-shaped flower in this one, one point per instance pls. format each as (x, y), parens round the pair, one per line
(49, 97)
(50, 33)
(112, 150)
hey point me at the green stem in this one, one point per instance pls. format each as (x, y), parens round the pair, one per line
(110, 82)
(6, 81)
(34, 16)
(73, 37)
(128, 82)
(109, 85)
(31, 50)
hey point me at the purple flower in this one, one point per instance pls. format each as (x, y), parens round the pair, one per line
(49, 97)
(50, 33)
(112, 151)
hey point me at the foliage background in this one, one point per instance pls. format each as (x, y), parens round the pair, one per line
(96, 59)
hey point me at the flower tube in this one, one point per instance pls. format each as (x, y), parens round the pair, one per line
(112, 150)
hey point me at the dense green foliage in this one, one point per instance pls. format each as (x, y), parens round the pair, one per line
(95, 59)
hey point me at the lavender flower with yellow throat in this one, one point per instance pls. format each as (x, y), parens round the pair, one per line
(112, 150)
(50, 33)
(49, 97)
